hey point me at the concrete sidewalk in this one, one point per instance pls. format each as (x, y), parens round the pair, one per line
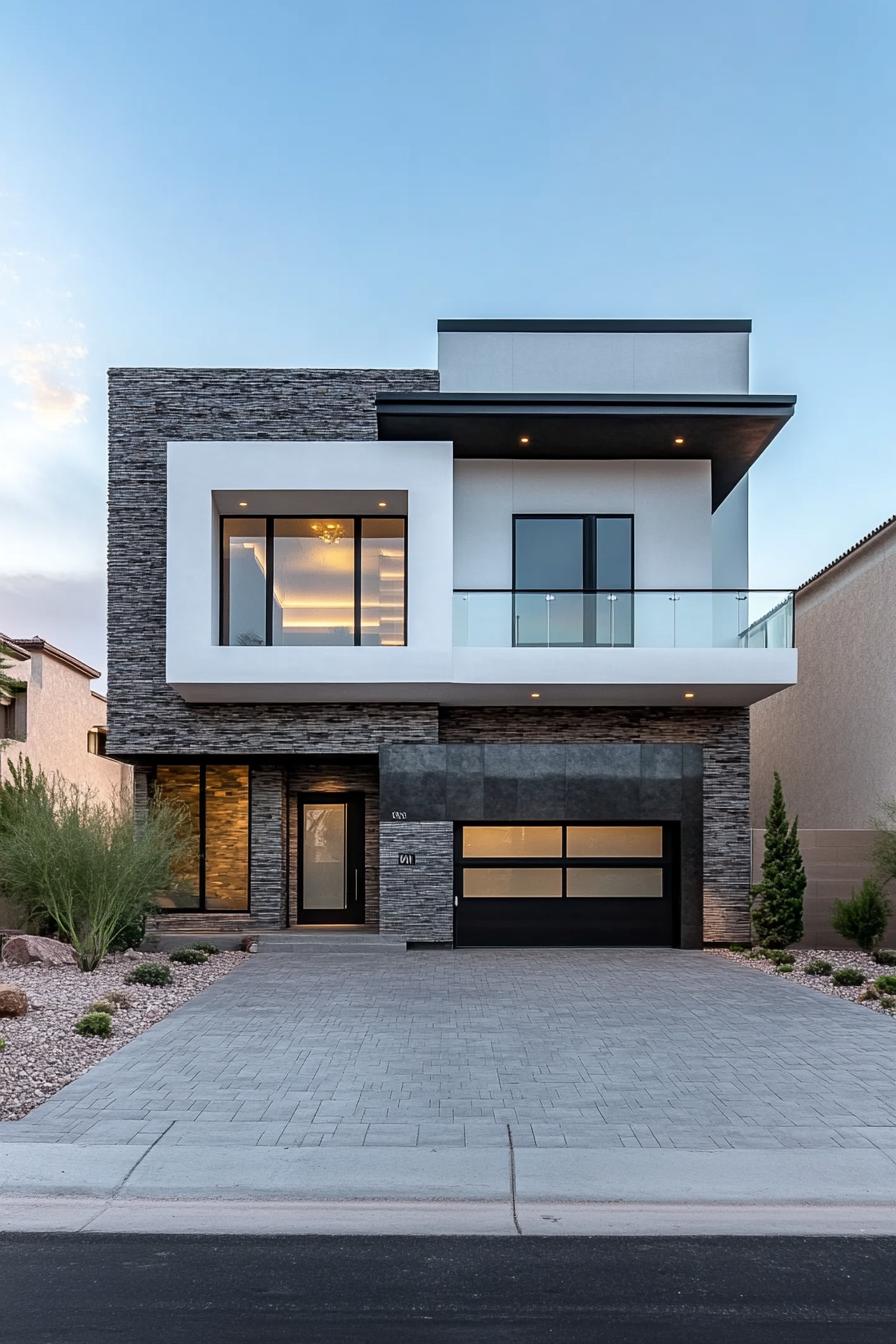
(448, 1190)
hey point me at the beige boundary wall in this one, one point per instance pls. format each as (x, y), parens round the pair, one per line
(836, 862)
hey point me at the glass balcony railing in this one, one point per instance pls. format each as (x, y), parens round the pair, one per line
(681, 618)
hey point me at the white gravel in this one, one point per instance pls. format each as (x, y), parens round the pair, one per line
(43, 1050)
(838, 957)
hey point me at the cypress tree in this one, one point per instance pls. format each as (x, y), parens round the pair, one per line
(777, 901)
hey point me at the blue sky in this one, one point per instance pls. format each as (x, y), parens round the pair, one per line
(294, 183)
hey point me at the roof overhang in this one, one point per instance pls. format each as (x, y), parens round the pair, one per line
(730, 431)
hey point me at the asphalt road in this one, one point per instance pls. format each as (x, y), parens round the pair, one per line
(75, 1288)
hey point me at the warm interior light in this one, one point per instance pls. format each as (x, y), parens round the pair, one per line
(535, 695)
(679, 442)
(689, 695)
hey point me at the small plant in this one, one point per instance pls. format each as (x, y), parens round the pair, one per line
(94, 1024)
(780, 956)
(188, 956)
(150, 973)
(783, 967)
(738, 947)
(848, 976)
(885, 956)
(863, 918)
(888, 1003)
(103, 1006)
(210, 950)
(818, 967)
(120, 998)
(2, 1045)
(886, 984)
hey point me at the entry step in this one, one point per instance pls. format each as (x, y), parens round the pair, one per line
(305, 942)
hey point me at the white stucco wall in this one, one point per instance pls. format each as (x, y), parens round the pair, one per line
(562, 361)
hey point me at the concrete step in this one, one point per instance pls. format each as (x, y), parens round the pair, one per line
(308, 942)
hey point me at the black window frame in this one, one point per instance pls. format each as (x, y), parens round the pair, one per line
(270, 520)
(589, 577)
(192, 763)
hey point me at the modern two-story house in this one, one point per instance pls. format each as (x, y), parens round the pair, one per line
(460, 655)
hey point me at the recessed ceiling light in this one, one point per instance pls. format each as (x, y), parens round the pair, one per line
(244, 504)
(679, 442)
(689, 695)
(535, 695)
(382, 504)
(524, 438)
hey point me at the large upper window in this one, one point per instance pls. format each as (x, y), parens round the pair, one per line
(572, 578)
(313, 581)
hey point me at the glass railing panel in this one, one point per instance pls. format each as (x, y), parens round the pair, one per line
(483, 620)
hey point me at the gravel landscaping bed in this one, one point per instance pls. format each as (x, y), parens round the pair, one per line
(839, 958)
(43, 1050)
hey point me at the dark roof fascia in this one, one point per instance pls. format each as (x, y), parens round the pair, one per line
(36, 645)
(596, 403)
(849, 553)
(595, 324)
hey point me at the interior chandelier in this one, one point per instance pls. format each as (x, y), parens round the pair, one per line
(328, 532)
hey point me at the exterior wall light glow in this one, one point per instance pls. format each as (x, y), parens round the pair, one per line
(535, 695)
(689, 695)
(244, 504)
(524, 438)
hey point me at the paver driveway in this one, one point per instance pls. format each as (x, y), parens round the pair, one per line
(591, 1048)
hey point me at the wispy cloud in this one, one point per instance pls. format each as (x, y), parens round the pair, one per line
(49, 372)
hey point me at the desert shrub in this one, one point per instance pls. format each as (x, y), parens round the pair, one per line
(885, 956)
(783, 967)
(817, 967)
(79, 867)
(777, 901)
(780, 956)
(131, 935)
(863, 918)
(888, 1003)
(94, 1024)
(886, 984)
(2, 1045)
(119, 997)
(103, 1006)
(738, 947)
(150, 973)
(208, 948)
(188, 956)
(848, 976)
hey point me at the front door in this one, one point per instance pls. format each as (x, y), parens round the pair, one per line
(331, 858)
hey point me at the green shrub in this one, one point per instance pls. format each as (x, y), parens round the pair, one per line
(817, 967)
(131, 935)
(2, 1045)
(94, 1024)
(756, 954)
(738, 947)
(208, 948)
(888, 1003)
(863, 918)
(188, 956)
(848, 976)
(886, 984)
(777, 901)
(103, 1006)
(780, 955)
(783, 967)
(885, 956)
(79, 866)
(150, 973)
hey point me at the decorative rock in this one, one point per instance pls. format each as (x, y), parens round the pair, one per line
(24, 948)
(131, 954)
(13, 1001)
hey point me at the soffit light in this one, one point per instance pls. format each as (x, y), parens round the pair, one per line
(689, 695)
(329, 532)
(244, 504)
(679, 442)
(535, 695)
(524, 438)
(382, 504)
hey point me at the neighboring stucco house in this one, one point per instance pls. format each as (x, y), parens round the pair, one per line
(460, 655)
(832, 737)
(56, 719)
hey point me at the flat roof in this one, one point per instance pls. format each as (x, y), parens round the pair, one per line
(621, 324)
(728, 430)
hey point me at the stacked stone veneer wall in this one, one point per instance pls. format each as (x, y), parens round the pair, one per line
(147, 408)
(339, 776)
(267, 856)
(724, 735)
(417, 903)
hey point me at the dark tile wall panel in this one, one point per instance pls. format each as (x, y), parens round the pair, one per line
(723, 735)
(340, 776)
(417, 903)
(267, 857)
(147, 407)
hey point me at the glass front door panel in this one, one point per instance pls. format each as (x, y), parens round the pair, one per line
(324, 856)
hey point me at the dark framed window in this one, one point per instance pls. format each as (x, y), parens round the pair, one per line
(573, 579)
(563, 861)
(96, 741)
(214, 799)
(314, 581)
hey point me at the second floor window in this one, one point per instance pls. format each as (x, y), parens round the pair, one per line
(313, 581)
(572, 578)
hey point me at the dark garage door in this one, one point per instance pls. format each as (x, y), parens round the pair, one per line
(548, 884)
